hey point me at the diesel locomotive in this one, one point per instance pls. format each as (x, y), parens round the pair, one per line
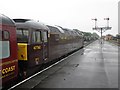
(25, 45)
(8, 51)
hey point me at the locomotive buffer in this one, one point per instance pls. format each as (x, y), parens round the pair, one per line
(101, 29)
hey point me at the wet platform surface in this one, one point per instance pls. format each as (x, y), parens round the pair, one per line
(95, 66)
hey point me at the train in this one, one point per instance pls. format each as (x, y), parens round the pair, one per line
(25, 45)
(8, 51)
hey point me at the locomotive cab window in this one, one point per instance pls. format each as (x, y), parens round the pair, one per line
(44, 37)
(4, 44)
(36, 37)
(22, 35)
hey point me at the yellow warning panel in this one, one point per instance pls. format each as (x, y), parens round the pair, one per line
(22, 51)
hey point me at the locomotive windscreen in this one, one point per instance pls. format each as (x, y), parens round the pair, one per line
(4, 44)
(22, 35)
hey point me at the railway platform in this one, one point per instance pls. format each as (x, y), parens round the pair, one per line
(94, 66)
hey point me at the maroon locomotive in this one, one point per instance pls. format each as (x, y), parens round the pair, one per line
(39, 43)
(25, 45)
(8, 51)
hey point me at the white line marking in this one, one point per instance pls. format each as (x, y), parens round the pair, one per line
(43, 70)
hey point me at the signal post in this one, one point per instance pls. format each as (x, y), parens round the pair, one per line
(101, 29)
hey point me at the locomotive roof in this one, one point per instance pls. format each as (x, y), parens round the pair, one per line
(28, 23)
(6, 20)
(53, 29)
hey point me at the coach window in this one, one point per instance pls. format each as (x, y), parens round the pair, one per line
(4, 44)
(36, 38)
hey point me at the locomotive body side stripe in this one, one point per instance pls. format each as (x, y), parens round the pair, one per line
(8, 62)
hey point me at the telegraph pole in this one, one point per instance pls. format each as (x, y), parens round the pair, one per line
(102, 29)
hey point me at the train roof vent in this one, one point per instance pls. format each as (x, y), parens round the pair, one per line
(21, 20)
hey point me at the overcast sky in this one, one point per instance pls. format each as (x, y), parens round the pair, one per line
(66, 13)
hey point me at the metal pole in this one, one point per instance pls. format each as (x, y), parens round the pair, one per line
(107, 23)
(95, 22)
(101, 35)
